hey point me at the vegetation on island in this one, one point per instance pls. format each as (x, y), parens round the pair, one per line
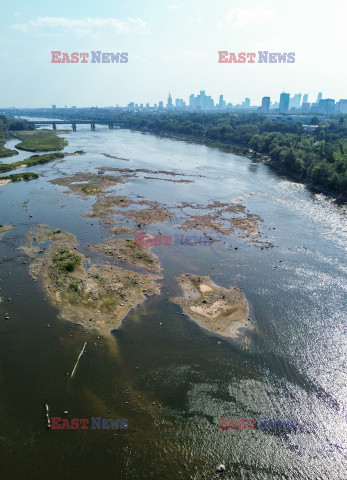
(17, 177)
(39, 140)
(8, 124)
(31, 161)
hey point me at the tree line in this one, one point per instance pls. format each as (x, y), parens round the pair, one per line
(317, 157)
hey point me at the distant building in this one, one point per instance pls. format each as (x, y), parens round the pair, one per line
(201, 101)
(305, 107)
(326, 105)
(265, 104)
(161, 105)
(305, 98)
(342, 106)
(284, 102)
(169, 102)
(309, 128)
(246, 103)
(54, 107)
(192, 101)
(222, 102)
(295, 101)
(319, 97)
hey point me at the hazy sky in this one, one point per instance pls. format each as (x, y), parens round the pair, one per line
(172, 46)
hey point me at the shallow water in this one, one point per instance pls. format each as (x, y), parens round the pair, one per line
(294, 367)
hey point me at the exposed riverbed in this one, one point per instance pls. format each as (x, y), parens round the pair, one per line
(160, 370)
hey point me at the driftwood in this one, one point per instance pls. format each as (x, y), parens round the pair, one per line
(78, 359)
(47, 416)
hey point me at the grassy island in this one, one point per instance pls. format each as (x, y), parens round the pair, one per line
(39, 140)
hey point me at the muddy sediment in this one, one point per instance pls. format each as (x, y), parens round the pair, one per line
(152, 214)
(88, 184)
(103, 206)
(126, 250)
(206, 222)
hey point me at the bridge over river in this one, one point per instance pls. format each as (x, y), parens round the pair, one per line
(73, 123)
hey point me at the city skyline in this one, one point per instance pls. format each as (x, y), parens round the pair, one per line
(286, 104)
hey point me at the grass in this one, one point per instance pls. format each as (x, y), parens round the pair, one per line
(17, 177)
(31, 161)
(73, 286)
(39, 140)
(66, 261)
(6, 152)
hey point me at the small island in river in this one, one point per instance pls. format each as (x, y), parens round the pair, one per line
(219, 310)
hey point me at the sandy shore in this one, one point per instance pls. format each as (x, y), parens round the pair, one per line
(219, 310)
(5, 228)
(4, 182)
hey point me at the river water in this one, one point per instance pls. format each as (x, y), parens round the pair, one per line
(293, 368)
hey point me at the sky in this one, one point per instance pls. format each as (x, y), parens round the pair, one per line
(172, 47)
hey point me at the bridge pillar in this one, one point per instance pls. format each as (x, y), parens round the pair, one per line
(74, 129)
(54, 126)
(92, 126)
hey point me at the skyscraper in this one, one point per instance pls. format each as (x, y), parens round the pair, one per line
(342, 106)
(246, 103)
(305, 98)
(326, 105)
(284, 102)
(192, 101)
(319, 97)
(265, 104)
(295, 101)
(221, 103)
(169, 101)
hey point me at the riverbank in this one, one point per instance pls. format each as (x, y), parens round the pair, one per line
(287, 149)
(31, 161)
(6, 152)
(18, 177)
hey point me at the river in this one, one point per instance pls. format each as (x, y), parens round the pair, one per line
(295, 367)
